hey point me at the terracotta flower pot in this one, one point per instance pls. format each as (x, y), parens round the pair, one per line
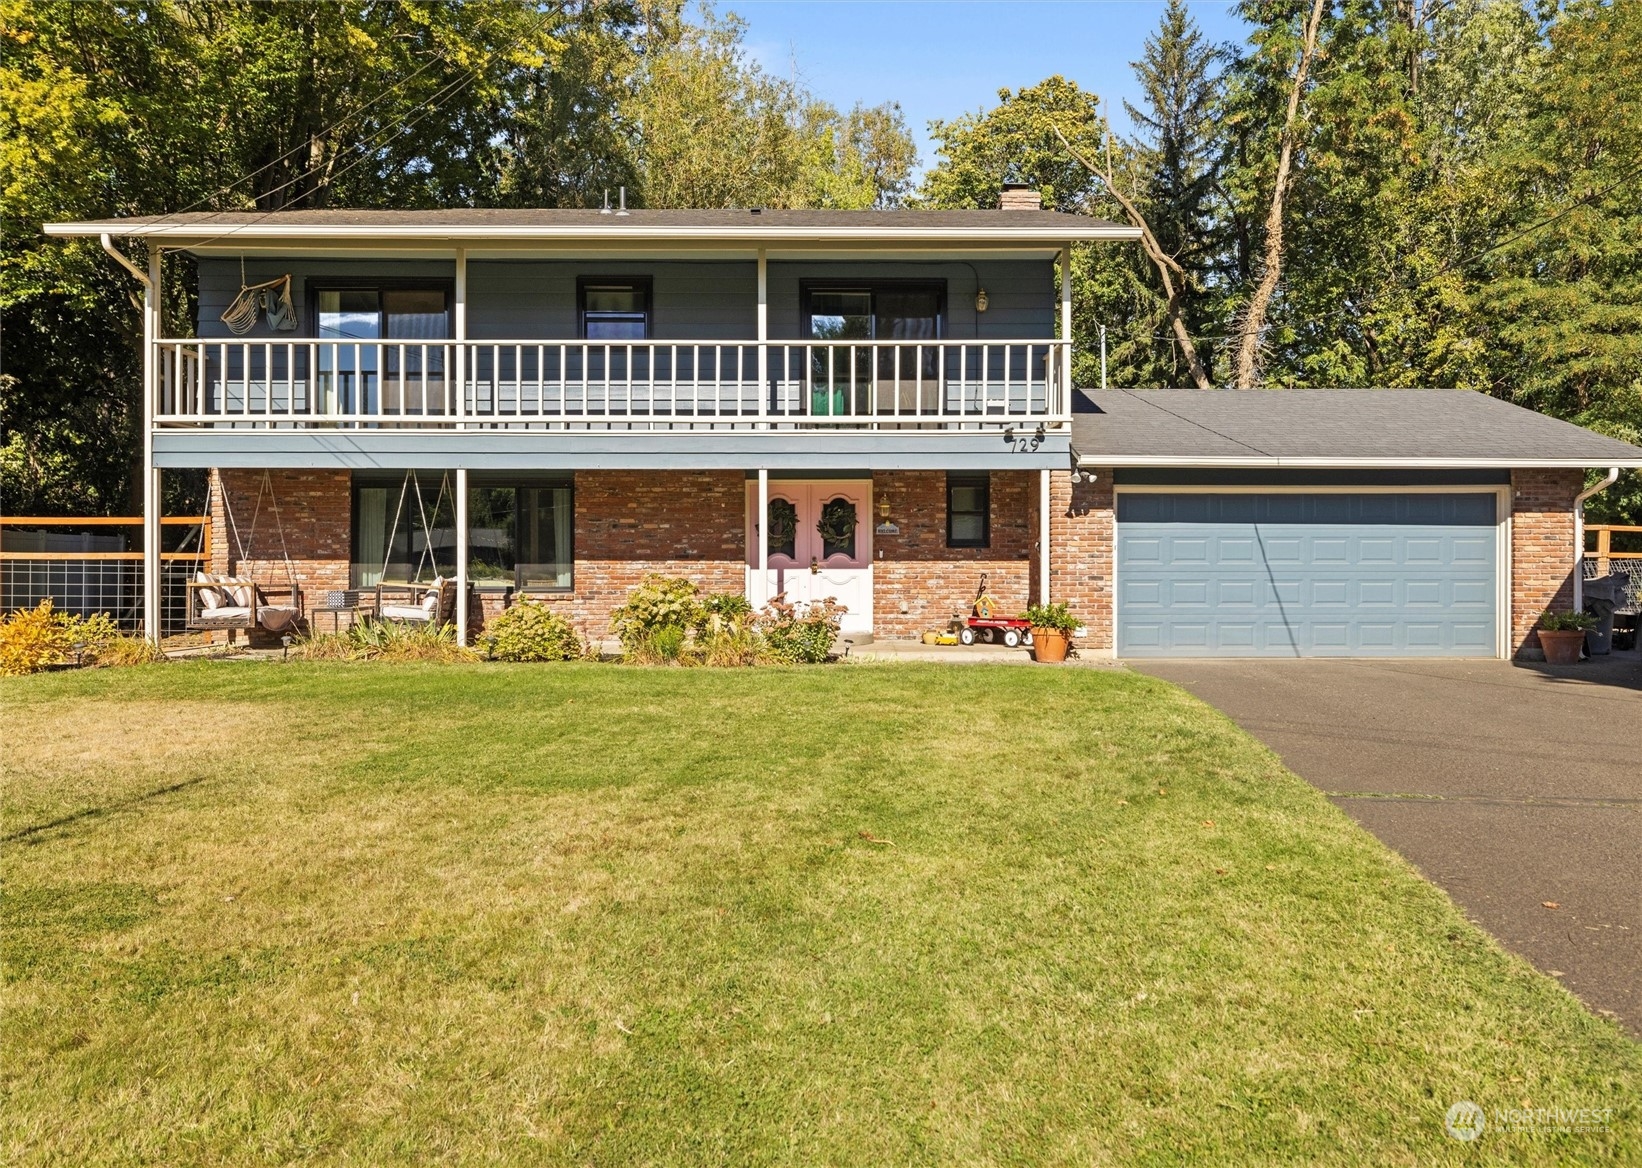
(1562, 648)
(1050, 645)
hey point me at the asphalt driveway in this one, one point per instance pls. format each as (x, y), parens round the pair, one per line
(1508, 786)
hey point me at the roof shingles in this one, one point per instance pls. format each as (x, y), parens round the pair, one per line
(1273, 426)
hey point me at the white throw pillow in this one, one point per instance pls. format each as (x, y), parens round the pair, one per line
(237, 592)
(210, 598)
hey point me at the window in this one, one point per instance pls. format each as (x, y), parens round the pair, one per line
(968, 511)
(886, 311)
(519, 533)
(408, 377)
(382, 313)
(404, 528)
(614, 309)
(519, 530)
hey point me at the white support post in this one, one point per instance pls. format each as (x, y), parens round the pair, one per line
(461, 322)
(461, 555)
(1066, 293)
(1043, 537)
(461, 329)
(763, 337)
(152, 498)
(761, 595)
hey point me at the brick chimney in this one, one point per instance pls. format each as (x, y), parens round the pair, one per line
(1020, 197)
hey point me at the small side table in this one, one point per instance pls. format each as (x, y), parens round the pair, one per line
(334, 605)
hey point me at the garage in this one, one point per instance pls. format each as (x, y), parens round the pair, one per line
(1306, 573)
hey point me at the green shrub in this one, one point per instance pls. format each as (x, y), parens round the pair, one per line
(530, 631)
(652, 624)
(799, 634)
(1567, 622)
(1052, 616)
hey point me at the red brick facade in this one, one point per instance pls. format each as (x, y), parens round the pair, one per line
(1081, 538)
(918, 582)
(692, 524)
(1542, 551)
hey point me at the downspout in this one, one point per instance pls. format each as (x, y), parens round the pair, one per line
(1596, 488)
(120, 258)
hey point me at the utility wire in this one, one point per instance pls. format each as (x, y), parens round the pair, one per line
(372, 144)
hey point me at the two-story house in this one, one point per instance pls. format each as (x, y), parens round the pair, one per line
(872, 406)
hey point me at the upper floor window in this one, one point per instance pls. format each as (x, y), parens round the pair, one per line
(614, 309)
(874, 311)
(419, 313)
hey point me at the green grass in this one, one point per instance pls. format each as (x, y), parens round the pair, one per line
(580, 914)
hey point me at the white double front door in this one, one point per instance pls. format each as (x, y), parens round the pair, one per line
(819, 534)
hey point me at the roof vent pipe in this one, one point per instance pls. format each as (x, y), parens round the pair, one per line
(605, 210)
(623, 210)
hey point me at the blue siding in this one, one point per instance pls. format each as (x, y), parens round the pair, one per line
(694, 300)
(1306, 575)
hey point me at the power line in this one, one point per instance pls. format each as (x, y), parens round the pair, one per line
(372, 143)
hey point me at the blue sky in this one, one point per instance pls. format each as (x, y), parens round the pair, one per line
(941, 58)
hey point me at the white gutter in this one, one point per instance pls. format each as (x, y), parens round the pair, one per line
(1596, 488)
(1274, 462)
(120, 257)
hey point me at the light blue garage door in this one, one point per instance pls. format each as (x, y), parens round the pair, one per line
(1306, 575)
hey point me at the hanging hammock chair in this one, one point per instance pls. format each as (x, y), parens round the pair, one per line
(272, 298)
(430, 603)
(240, 602)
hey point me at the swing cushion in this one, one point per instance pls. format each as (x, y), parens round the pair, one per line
(427, 609)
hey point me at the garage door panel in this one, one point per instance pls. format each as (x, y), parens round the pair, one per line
(1300, 575)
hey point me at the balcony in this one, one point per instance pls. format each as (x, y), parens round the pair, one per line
(548, 385)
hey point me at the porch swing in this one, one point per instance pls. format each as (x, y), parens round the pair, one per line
(427, 604)
(234, 602)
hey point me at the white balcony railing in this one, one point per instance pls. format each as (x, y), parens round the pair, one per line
(626, 385)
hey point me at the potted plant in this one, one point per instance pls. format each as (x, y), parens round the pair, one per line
(1562, 636)
(1052, 626)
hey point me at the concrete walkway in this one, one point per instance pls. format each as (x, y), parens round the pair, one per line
(1508, 786)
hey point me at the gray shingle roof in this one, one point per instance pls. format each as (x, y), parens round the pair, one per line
(1311, 427)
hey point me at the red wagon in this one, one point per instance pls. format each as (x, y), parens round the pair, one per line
(1012, 631)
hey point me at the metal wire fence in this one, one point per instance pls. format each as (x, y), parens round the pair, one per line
(87, 587)
(86, 566)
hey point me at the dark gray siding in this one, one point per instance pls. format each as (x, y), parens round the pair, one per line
(694, 300)
(220, 283)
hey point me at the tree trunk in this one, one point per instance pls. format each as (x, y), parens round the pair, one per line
(1247, 366)
(1165, 264)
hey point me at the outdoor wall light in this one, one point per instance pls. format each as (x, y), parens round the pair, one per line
(980, 300)
(883, 508)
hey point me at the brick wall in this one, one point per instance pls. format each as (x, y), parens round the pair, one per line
(918, 582)
(1081, 532)
(678, 523)
(1542, 551)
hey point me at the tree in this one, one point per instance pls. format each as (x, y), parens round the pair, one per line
(1253, 320)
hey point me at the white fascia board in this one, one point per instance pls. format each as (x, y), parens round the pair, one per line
(1294, 463)
(750, 236)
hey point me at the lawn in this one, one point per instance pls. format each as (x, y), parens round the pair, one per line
(855, 915)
